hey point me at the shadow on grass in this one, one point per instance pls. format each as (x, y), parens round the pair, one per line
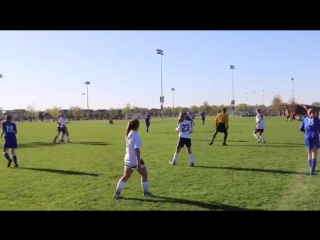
(61, 171)
(36, 144)
(206, 140)
(275, 171)
(93, 143)
(267, 145)
(204, 205)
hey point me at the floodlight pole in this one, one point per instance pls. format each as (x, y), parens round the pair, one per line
(160, 52)
(87, 83)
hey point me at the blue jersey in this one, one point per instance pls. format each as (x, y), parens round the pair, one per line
(310, 127)
(9, 129)
(203, 115)
(147, 117)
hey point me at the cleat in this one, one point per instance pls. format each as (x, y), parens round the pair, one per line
(9, 163)
(259, 141)
(173, 163)
(117, 196)
(191, 165)
(147, 194)
(211, 143)
(16, 165)
(224, 144)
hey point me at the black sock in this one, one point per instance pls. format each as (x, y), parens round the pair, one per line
(6, 155)
(15, 160)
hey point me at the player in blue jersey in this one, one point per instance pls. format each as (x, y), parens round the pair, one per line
(203, 117)
(310, 126)
(9, 130)
(147, 121)
(59, 131)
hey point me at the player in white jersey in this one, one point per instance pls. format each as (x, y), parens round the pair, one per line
(133, 160)
(62, 122)
(259, 127)
(184, 129)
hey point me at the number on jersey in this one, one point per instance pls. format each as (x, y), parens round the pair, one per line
(185, 128)
(9, 129)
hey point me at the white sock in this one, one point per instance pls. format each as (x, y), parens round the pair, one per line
(68, 138)
(261, 138)
(145, 186)
(256, 136)
(191, 156)
(175, 156)
(120, 186)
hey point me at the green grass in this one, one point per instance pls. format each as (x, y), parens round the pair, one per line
(83, 175)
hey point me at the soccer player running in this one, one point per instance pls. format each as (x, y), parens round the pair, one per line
(133, 160)
(203, 117)
(9, 130)
(259, 127)
(62, 122)
(147, 121)
(310, 126)
(185, 129)
(222, 126)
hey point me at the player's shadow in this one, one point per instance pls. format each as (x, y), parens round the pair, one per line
(202, 140)
(205, 205)
(273, 171)
(58, 171)
(93, 143)
(36, 144)
(268, 145)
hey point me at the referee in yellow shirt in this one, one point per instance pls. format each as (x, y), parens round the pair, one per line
(222, 125)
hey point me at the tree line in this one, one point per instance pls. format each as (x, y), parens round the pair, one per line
(79, 112)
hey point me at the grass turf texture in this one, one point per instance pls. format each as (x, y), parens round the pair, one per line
(83, 175)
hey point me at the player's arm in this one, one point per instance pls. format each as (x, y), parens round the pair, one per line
(15, 129)
(227, 121)
(137, 146)
(217, 118)
(302, 127)
(3, 130)
(178, 127)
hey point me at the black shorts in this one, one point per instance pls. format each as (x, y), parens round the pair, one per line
(64, 129)
(184, 142)
(258, 131)
(221, 128)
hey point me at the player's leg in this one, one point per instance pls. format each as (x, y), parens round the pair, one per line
(67, 133)
(122, 182)
(144, 179)
(256, 135)
(225, 132)
(215, 134)
(314, 154)
(14, 157)
(147, 126)
(260, 135)
(176, 154)
(6, 155)
(57, 135)
(309, 147)
(191, 156)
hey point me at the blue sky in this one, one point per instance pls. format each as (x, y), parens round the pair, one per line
(49, 68)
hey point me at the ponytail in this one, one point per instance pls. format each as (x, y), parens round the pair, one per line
(129, 128)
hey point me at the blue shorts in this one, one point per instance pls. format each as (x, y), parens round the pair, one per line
(59, 129)
(148, 123)
(10, 143)
(312, 143)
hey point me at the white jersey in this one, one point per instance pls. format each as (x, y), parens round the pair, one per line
(184, 128)
(62, 121)
(133, 141)
(260, 118)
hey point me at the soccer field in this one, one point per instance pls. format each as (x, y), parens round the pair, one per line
(83, 175)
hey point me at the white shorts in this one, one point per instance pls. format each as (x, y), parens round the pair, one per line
(133, 166)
